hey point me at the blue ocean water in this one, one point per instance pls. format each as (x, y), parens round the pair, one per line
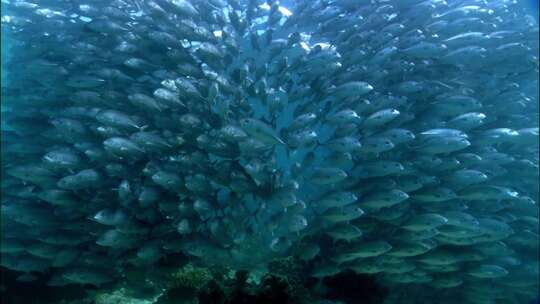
(269, 152)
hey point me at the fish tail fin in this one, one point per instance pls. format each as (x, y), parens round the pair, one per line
(317, 145)
(317, 212)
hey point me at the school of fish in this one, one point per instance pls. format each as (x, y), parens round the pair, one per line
(397, 138)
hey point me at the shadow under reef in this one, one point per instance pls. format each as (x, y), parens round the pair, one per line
(37, 291)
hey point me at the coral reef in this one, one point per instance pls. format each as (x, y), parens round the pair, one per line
(285, 282)
(119, 296)
(191, 277)
(186, 283)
